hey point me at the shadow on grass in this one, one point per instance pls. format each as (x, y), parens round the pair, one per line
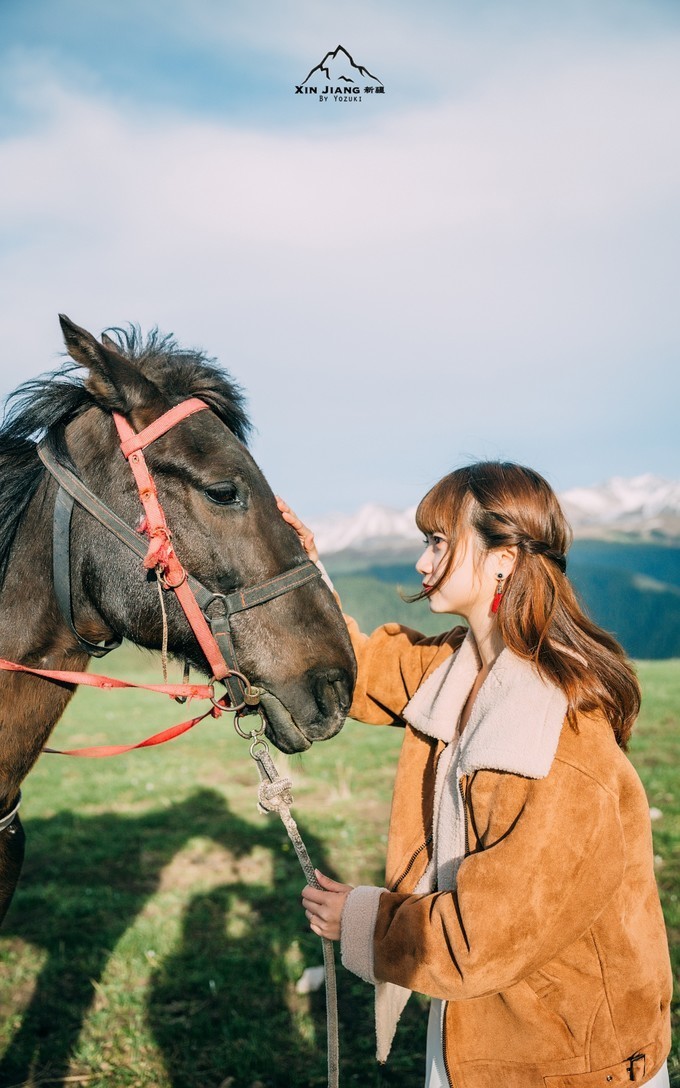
(221, 1007)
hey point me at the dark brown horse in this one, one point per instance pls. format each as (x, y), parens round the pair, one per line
(226, 529)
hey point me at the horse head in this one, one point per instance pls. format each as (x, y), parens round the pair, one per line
(226, 530)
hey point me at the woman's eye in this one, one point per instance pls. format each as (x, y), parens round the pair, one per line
(223, 494)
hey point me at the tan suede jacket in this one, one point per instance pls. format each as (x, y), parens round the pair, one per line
(550, 951)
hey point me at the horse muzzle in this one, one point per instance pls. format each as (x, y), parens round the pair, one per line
(294, 721)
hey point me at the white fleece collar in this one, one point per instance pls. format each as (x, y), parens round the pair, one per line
(516, 719)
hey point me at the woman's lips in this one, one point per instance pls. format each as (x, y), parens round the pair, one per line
(426, 588)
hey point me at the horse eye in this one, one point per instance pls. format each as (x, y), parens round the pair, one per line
(223, 494)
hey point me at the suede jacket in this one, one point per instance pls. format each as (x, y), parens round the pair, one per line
(536, 916)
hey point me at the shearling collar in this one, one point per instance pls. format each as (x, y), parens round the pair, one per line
(516, 720)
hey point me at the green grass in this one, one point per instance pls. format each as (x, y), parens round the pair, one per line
(156, 936)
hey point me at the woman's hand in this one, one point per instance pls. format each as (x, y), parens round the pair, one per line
(306, 535)
(324, 905)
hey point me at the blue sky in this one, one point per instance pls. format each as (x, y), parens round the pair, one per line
(482, 262)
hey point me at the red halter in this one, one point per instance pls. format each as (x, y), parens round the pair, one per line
(161, 555)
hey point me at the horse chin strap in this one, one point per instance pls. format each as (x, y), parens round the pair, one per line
(207, 613)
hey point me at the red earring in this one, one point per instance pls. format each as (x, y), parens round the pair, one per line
(498, 594)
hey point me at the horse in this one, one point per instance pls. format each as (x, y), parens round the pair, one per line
(226, 537)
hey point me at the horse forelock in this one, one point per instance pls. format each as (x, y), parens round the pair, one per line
(180, 373)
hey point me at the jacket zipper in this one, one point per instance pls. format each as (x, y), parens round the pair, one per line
(423, 846)
(446, 1063)
(411, 862)
(462, 779)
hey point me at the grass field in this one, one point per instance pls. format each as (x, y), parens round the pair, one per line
(156, 937)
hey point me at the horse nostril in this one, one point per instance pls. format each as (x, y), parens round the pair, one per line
(332, 691)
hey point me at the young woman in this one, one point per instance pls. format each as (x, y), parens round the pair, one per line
(520, 891)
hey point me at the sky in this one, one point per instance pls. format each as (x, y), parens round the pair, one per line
(482, 261)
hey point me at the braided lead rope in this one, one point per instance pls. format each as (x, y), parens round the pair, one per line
(164, 642)
(275, 795)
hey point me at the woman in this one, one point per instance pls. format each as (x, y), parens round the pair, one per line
(520, 891)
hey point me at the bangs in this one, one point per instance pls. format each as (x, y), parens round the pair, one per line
(446, 506)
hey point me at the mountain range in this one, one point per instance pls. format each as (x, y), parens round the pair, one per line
(643, 507)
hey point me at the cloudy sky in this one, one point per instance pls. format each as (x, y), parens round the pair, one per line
(483, 261)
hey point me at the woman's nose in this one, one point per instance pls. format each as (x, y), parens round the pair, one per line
(424, 564)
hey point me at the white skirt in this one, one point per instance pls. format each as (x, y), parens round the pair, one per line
(435, 1073)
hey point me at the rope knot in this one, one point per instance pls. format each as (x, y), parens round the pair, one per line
(160, 551)
(160, 545)
(271, 795)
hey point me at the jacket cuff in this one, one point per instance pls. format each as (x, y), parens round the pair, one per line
(358, 929)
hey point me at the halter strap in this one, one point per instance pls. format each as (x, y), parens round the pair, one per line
(161, 555)
(131, 440)
(8, 820)
(61, 574)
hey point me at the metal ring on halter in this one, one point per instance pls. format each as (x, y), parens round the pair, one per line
(251, 695)
(227, 708)
(170, 585)
(263, 750)
(252, 734)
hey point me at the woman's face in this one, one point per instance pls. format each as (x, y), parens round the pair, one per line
(466, 584)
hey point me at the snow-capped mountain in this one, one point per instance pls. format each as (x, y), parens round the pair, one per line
(646, 502)
(642, 506)
(376, 526)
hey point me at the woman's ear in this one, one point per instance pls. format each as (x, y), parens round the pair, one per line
(510, 556)
(503, 560)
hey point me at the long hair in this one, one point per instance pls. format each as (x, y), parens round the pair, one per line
(539, 618)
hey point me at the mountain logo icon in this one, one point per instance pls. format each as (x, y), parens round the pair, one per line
(337, 76)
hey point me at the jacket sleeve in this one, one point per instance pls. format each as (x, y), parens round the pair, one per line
(517, 903)
(391, 665)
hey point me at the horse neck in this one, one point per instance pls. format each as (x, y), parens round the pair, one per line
(33, 631)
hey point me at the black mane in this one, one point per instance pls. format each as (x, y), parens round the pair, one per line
(47, 404)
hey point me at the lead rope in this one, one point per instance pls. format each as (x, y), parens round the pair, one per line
(275, 795)
(164, 643)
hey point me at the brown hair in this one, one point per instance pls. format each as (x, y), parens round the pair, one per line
(539, 618)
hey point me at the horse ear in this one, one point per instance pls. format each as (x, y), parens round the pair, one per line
(109, 343)
(115, 383)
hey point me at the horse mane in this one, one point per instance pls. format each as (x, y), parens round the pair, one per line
(45, 405)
